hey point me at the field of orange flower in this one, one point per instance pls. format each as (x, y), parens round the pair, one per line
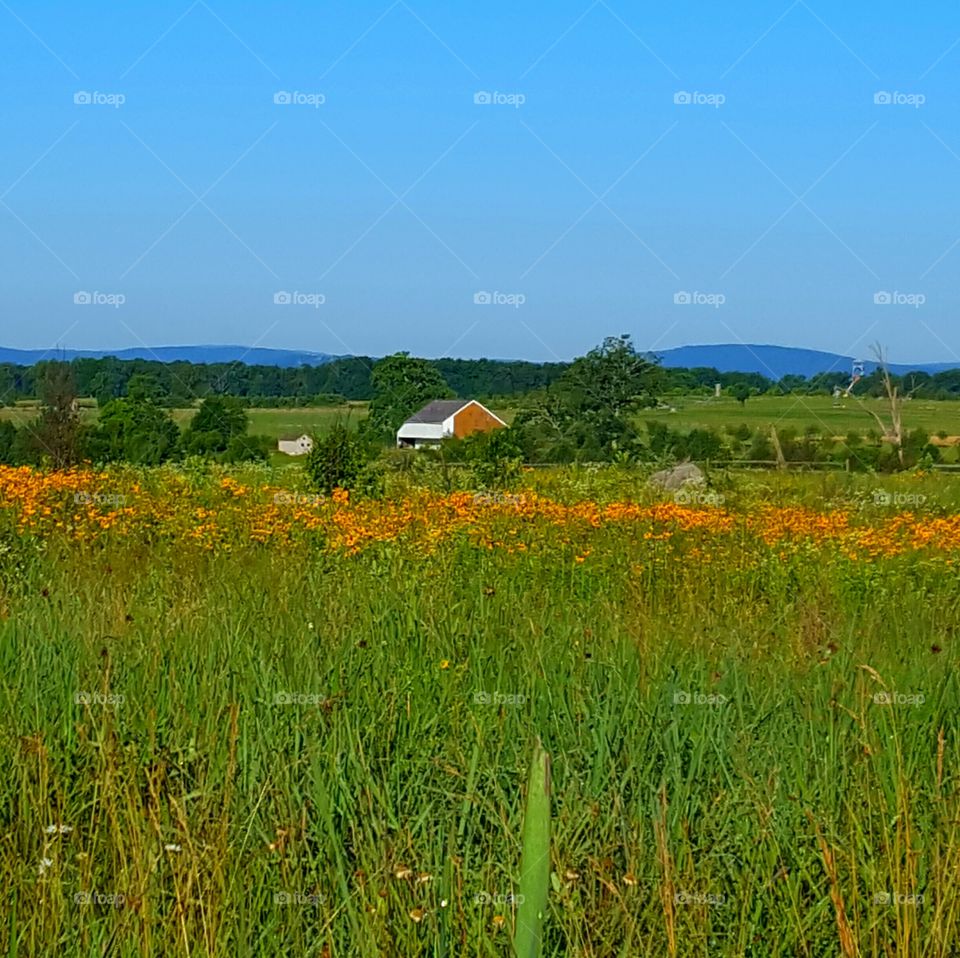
(85, 505)
(239, 718)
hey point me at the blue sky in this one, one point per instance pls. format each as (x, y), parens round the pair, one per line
(783, 204)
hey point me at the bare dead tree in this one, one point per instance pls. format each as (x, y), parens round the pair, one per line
(891, 431)
(777, 448)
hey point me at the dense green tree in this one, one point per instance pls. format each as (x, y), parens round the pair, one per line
(591, 410)
(136, 432)
(218, 420)
(610, 383)
(8, 443)
(741, 392)
(402, 385)
(57, 435)
(146, 387)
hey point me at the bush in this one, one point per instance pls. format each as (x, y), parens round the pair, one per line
(218, 421)
(247, 449)
(336, 461)
(496, 458)
(8, 443)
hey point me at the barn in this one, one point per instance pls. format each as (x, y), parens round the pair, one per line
(444, 419)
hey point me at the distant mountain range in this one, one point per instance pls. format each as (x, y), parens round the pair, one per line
(775, 362)
(170, 354)
(770, 361)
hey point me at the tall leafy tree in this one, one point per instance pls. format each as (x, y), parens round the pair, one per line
(218, 421)
(8, 443)
(146, 388)
(601, 391)
(57, 434)
(135, 431)
(402, 385)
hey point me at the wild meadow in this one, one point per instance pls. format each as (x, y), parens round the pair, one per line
(240, 719)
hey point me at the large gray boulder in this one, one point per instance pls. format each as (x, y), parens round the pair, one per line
(687, 473)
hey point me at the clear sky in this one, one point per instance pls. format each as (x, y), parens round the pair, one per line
(782, 200)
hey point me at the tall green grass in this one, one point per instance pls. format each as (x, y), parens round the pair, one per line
(271, 753)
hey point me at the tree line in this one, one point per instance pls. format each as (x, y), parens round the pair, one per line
(180, 384)
(591, 411)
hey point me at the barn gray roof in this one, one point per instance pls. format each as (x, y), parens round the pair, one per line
(439, 410)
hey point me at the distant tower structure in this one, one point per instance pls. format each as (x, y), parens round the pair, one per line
(859, 368)
(716, 390)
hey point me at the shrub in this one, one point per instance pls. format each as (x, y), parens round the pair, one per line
(336, 461)
(496, 458)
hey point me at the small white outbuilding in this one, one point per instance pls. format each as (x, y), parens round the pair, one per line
(295, 445)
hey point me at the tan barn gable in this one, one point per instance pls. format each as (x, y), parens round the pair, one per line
(444, 419)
